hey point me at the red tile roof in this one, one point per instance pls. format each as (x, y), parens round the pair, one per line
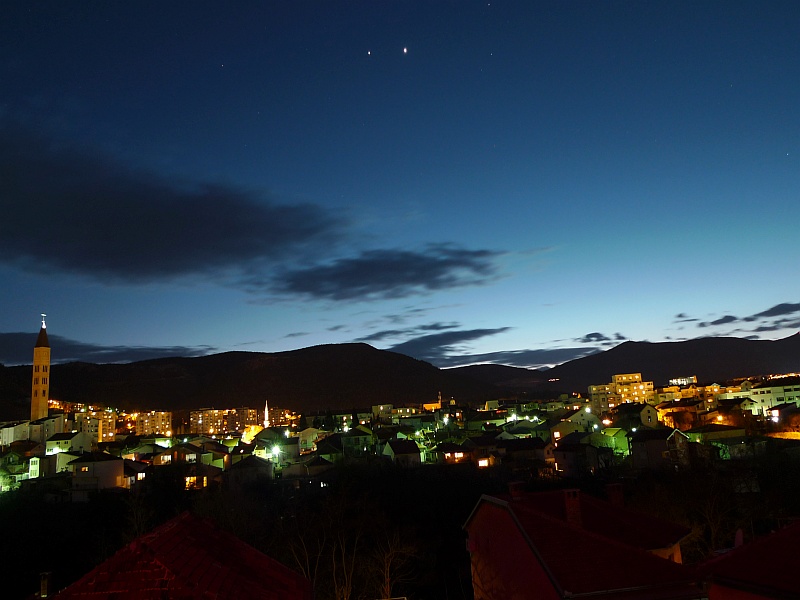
(609, 520)
(764, 567)
(188, 557)
(580, 562)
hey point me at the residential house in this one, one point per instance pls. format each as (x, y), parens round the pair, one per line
(308, 438)
(330, 448)
(77, 441)
(93, 471)
(134, 472)
(583, 417)
(358, 442)
(450, 453)
(680, 414)
(483, 449)
(615, 438)
(43, 429)
(179, 453)
(403, 453)
(632, 415)
(12, 432)
(250, 471)
(662, 448)
(765, 395)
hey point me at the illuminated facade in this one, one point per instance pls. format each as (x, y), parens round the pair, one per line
(214, 421)
(155, 422)
(101, 425)
(625, 387)
(40, 388)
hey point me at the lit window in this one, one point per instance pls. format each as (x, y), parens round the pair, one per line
(483, 462)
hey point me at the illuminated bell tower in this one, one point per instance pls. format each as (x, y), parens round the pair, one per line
(40, 391)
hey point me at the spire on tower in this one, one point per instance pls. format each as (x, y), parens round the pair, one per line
(42, 341)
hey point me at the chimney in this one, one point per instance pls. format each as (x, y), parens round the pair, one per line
(572, 507)
(517, 490)
(614, 494)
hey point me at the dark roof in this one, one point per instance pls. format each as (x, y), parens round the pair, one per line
(42, 341)
(61, 437)
(403, 447)
(779, 382)
(714, 428)
(684, 403)
(522, 444)
(631, 408)
(449, 447)
(251, 461)
(646, 435)
(189, 557)
(574, 439)
(331, 444)
(90, 457)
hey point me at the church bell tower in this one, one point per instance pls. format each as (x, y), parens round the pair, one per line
(40, 390)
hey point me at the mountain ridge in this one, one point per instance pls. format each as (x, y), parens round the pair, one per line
(346, 376)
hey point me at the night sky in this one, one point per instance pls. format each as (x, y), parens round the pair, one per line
(517, 182)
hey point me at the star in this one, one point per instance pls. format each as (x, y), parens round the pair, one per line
(405, 50)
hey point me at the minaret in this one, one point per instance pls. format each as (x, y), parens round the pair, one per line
(40, 391)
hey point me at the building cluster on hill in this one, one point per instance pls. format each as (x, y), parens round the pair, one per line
(72, 451)
(626, 424)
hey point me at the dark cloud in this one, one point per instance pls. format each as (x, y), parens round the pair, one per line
(296, 334)
(725, 320)
(17, 349)
(409, 331)
(684, 318)
(769, 322)
(69, 210)
(721, 321)
(593, 338)
(437, 347)
(76, 212)
(389, 274)
(778, 310)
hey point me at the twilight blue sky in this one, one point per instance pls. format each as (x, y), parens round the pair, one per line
(518, 182)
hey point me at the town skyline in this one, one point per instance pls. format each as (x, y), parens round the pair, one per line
(522, 184)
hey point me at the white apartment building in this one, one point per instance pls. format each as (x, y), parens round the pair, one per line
(101, 425)
(155, 422)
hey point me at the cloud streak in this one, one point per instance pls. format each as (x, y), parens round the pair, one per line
(17, 349)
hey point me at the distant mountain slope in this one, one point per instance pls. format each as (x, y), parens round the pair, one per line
(712, 360)
(316, 378)
(357, 375)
